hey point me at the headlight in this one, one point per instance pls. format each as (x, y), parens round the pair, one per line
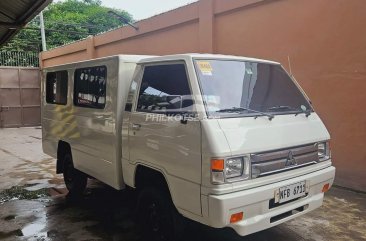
(323, 151)
(234, 167)
(230, 169)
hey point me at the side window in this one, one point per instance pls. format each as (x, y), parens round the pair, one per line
(90, 87)
(165, 89)
(56, 87)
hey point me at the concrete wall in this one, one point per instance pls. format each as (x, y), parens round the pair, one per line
(325, 40)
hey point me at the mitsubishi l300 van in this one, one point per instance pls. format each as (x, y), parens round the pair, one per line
(225, 141)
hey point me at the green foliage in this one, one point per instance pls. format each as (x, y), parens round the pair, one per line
(65, 22)
(25, 40)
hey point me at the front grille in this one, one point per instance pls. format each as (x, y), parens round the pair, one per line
(272, 162)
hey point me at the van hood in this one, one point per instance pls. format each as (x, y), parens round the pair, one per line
(249, 135)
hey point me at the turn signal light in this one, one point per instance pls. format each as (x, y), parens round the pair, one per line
(236, 217)
(217, 165)
(326, 187)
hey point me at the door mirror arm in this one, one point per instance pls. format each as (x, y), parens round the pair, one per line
(187, 116)
(184, 120)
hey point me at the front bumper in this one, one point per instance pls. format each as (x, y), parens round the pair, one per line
(255, 204)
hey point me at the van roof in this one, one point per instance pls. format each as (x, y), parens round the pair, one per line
(127, 58)
(204, 56)
(151, 58)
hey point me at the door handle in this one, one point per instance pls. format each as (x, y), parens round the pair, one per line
(136, 127)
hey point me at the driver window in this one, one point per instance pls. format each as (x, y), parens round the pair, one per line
(165, 90)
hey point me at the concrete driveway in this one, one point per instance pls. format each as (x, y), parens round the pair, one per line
(33, 205)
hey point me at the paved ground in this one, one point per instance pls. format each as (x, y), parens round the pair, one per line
(33, 205)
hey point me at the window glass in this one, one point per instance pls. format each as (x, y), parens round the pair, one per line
(232, 88)
(165, 89)
(56, 87)
(90, 87)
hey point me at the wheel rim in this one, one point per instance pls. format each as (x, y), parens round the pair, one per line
(157, 222)
(154, 218)
(69, 177)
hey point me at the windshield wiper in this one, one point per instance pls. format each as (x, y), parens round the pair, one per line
(281, 107)
(306, 112)
(241, 109)
(286, 107)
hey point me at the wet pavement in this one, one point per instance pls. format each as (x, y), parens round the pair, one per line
(34, 206)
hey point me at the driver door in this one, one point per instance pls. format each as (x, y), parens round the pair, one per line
(159, 138)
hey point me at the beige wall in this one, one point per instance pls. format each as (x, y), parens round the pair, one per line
(325, 40)
(19, 97)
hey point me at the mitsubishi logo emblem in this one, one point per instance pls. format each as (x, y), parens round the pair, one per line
(291, 161)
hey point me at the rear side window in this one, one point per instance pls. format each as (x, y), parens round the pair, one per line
(56, 87)
(165, 89)
(90, 87)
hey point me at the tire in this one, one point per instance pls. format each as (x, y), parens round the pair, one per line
(74, 179)
(157, 217)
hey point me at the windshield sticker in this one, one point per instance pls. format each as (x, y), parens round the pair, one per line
(205, 67)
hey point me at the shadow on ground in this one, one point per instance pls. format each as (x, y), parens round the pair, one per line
(33, 206)
(107, 214)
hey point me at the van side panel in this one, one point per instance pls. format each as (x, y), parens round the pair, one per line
(94, 151)
(90, 132)
(49, 144)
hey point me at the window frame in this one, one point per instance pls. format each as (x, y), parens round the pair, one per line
(75, 82)
(47, 85)
(141, 76)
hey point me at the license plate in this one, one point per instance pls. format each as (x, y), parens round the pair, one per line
(290, 192)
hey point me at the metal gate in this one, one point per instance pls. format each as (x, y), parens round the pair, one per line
(19, 97)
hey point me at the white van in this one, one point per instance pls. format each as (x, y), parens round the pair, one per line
(225, 141)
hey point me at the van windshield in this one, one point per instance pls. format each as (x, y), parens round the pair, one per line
(232, 88)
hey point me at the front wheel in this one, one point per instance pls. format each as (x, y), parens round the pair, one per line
(75, 180)
(157, 217)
